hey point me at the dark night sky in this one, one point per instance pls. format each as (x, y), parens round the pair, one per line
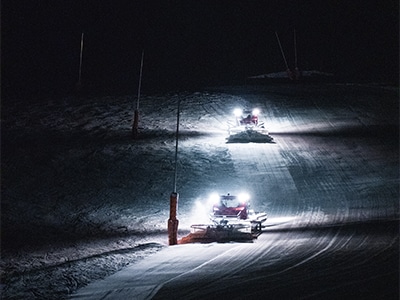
(191, 42)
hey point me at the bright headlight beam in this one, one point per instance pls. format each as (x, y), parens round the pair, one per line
(237, 112)
(213, 199)
(243, 197)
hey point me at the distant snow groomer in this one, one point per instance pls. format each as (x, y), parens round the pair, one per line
(247, 127)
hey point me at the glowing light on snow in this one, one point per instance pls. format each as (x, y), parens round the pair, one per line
(256, 112)
(200, 214)
(213, 199)
(278, 126)
(237, 112)
(281, 220)
(243, 197)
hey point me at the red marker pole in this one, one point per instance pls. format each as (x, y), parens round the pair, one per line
(173, 202)
(173, 221)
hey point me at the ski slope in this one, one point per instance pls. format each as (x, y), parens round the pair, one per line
(85, 207)
(329, 186)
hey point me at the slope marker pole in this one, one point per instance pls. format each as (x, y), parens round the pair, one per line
(173, 204)
(296, 69)
(135, 131)
(284, 57)
(80, 64)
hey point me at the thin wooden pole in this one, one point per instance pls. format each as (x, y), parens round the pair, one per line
(295, 49)
(140, 80)
(135, 126)
(176, 145)
(296, 69)
(80, 63)
(284, 57)
(280, 46)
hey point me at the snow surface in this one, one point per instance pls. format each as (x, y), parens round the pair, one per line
(310, 73)
(82, 200)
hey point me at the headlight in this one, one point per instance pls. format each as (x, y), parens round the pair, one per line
(213, 199)
(237, 112)
(243, 197)
(256, 112)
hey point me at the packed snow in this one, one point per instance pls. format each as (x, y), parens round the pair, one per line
(82, 200)
(279, 75)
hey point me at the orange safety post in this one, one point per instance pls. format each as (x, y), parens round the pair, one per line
(173, 221)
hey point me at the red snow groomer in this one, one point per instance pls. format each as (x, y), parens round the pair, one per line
(231, 220)
(231, 207)
(246, 117)
(247, 127)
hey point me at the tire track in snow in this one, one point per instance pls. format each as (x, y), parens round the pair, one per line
(265, 176)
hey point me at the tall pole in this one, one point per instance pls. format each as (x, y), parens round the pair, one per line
(284, 57)
(176, 144)
(135, 131)
(296, 69)
(173, 202)
(80, 63)
(140, 80)
(295, 48)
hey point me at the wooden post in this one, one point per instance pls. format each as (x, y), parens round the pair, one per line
(173, 221)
